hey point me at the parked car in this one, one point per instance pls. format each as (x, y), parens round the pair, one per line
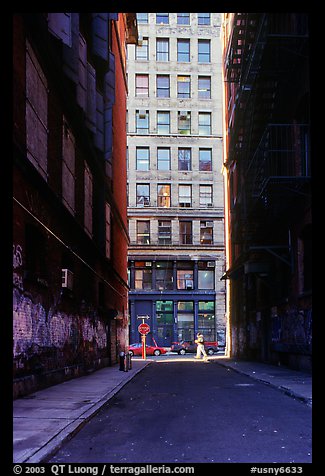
(136, 349)
(189, 346)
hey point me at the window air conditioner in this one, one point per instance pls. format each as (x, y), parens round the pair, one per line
(184, 116)
(209, 223)
(142, 114)
(67, 278)
(210, 264)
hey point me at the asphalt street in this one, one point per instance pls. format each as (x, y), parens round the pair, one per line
(189, 411)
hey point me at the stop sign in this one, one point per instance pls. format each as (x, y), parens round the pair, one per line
(144, 328)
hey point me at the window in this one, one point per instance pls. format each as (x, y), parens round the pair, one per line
(205, 275)
(185, 195)
(143, 277)
(143, 195)
(204, 87)
(163, 158)
(206, 319)
(142, 158)
(203, 18)
(184, 122)
(163, 195)
(164, 276)
(163, 86)
(163, 122)
(205, 159)
(183, 18)
(162, 49)
(143, 17)
(185, 278)
(183, 87)
(142, 52)
(183, 50)
(107, 230)
(164, 232)
(204, 51)
(206, 232)
(204, 123)
(165, 314)
(142, 122)
(143, 232)
(205, 195)
(184, 159)
(185, 322)
(185, 233)
(36, 113)
(162, 18)
(68, 168)
(142, 85)
(88, 203)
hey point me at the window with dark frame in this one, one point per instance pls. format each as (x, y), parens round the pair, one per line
(185, 195)
(185, 232)
(163, 195)
(183, 18)
(205, 123)
(204, 87)
(205, 160)
(142, 122)
(163, 158)
(164, 232)
(143, 232)
(142, 85)
(204, 51)
(203, 18)
(184, 122)
(206, 232)
(184, 159)
(142, 52)
(183, 50)
(162, 18)
(142, 158)
(183, 87)
(162, 49)
(163, 86)
(163, 122)
(143, 195)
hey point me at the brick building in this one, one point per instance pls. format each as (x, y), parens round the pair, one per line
(70, 238)
(268, 181)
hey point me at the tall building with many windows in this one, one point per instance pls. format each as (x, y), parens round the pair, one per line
(175, 184)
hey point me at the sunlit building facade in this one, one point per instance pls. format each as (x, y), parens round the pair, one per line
(175, 185)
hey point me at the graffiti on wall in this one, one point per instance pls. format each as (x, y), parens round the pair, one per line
(67, 338)
(17, 263)
(293, 329)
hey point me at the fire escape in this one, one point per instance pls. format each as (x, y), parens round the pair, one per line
(269, 146)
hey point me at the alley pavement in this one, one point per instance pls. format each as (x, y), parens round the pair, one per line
(44, 420)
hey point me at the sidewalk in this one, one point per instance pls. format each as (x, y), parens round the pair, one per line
(42, 421)
(294, 383)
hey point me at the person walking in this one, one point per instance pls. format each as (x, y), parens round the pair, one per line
(200, 347)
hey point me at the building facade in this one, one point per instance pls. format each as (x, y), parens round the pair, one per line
(70, 237)
(267, 172)
(175, 184)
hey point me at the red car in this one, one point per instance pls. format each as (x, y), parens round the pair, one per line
(136, 349)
